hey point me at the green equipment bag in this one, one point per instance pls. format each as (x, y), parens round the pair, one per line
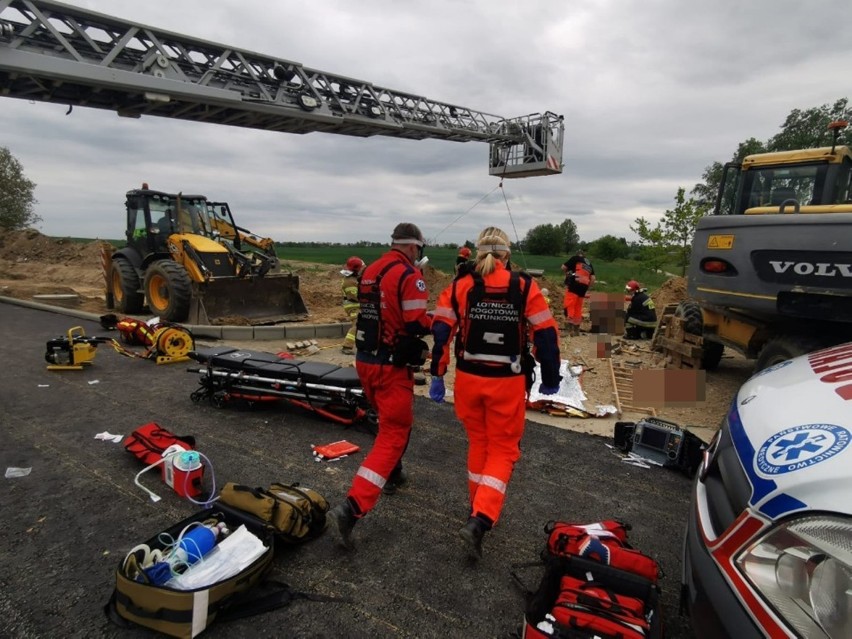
(293, 513)
(185, 613)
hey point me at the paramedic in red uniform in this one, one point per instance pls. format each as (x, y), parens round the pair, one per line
(492, 311)
(392, 296)
(579, 276)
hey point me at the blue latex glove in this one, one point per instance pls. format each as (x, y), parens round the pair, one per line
(437, 389)
(548, 390)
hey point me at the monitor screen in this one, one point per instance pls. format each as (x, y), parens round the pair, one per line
(653, 438)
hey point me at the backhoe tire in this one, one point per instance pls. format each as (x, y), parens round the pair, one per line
(124, 286)
(780, 349)
(693, 323)
(168, 290)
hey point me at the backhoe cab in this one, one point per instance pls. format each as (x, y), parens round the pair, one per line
(185, 261)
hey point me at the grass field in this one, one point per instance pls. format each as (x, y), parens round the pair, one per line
(611, 276)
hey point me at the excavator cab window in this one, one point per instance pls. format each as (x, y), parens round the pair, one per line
(843, 185)
(774, 185)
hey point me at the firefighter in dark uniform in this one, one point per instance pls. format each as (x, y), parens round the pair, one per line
(492, 311)
(393, 297)
(640, 320)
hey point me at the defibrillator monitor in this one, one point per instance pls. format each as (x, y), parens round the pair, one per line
(658, 440)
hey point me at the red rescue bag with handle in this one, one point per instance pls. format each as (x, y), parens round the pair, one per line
(148, 442)
(605, 542)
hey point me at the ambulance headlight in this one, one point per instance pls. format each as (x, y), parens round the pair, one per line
(803, 568)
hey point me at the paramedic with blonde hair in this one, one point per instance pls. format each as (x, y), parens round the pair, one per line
(491, 311)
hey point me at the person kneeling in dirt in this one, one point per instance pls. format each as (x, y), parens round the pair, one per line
(640, 319)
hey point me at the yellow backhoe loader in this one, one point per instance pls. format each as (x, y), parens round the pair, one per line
(184, 263)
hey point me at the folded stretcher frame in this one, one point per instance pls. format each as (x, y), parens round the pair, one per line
(229, 374)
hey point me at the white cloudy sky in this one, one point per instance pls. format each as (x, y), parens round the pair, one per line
(652, 92)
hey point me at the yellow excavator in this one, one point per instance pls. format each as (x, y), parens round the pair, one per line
(188, 261)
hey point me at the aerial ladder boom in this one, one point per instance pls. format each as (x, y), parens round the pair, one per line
(53, 52)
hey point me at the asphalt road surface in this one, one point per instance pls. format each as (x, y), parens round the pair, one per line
(65, 527)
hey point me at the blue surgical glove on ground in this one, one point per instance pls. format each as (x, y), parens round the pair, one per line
(548, 390)
(437, 389)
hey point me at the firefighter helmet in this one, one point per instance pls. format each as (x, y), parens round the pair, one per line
(353, 265)
(632, 286)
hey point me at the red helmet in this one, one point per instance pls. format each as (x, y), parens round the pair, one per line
(354, 264)
(464, 252)
(632, 286)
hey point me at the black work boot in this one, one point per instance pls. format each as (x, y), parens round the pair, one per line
(398, 479)
(344, 520)
(472, 533)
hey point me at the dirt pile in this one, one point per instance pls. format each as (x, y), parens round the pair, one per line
(31, 246)
(671, 292)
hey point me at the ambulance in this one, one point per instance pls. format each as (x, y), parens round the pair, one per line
(768, 544)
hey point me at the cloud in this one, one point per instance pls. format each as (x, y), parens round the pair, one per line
(651, 93)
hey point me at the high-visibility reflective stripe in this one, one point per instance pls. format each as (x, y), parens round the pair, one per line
(493, 482)
(200, 605)
(442, 311)
(372, 476)
(474, 477)
(538, 318)
(478, 357)
(410, 305)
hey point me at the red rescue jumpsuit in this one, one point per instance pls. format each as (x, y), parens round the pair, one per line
(389, 388)
(490, 397)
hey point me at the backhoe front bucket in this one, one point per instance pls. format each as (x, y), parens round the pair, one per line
(265, 300)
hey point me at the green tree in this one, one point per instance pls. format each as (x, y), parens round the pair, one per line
(570, 237)
(16, 194)
(679, 225)
(672, 235)
(808, 129)
(544, 239)
(653, 247)
(609, 248)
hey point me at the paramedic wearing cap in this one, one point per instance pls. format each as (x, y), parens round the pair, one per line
(393, 297)
(579, 276)
(352, 274)
(491, 311)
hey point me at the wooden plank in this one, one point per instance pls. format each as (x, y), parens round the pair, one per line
(680, 348)
(614, 387)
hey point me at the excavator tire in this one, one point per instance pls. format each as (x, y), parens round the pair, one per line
(168, 290)
(693, 323)
(780, 349)
(693, 320)
(124, 285)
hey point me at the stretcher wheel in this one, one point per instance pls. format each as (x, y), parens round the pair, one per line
(219, 399)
